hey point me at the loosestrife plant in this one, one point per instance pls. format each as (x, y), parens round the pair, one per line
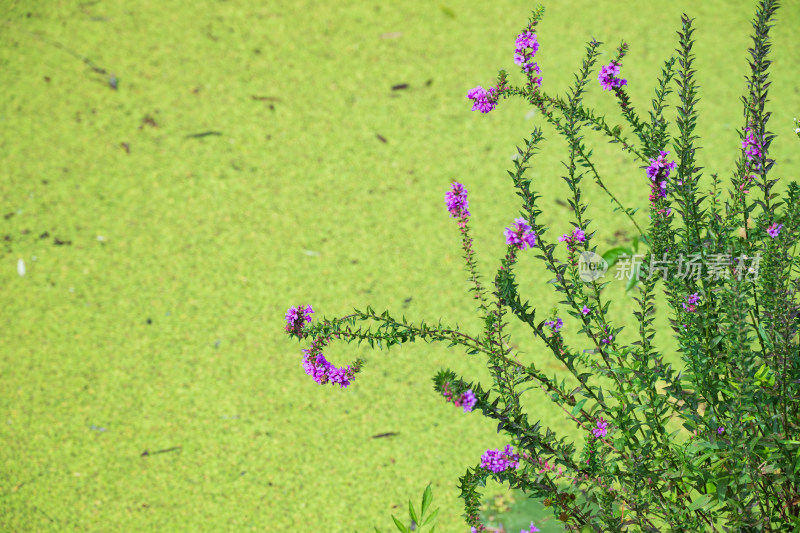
(712, 446)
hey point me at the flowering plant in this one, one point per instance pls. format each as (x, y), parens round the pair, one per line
(714, 445)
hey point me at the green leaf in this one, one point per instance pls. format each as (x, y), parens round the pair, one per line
(634, 279)
(430, 518)
(611, 256)
(427, 498)
(578, 406)
(400, 525)
(411, 512)
(701, 502)
(765, 377)
(621, 370)
(722, 488)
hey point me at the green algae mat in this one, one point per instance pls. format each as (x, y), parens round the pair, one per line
(175, 175)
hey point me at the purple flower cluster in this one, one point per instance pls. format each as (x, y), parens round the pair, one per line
(578, 236)
(483, 100)
(753, 155)
(296, 318)
(752, 150)
(525, 48)
(602, 428)
(320, 370)
(498, 461)
(609, 337)
(456, 200)
(659, 168)
(554, 325)
(658, 172)
(774, 230)
(521, 236)
(608, 77)
(691, 300)
(466, 400)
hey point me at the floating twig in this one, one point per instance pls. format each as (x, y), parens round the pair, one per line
(203, 134)
(167, 450)
(111, 79)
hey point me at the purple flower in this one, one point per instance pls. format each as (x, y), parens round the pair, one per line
(752, 148)
(608, 336)
(774, 230)
(521, 236)
(498, 461)
(525, 48)
(554, 325)
(659, 168)
(533, 529)
(315, 366)
(586, 310)
(720, 430)
(608, 77)
(578, 235)
(338, 375)
(456, 200)
(297, 317)
(658, 172)
(533, 67)
(691, 300)
(526, 40)
(320, 370)
(483, 100)
(602, 428)
(467, 400)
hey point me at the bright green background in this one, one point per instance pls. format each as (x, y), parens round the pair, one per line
(162, 320)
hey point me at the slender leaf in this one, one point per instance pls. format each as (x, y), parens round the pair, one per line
(400, 525)
(701, 502)
(427, 498)
(430, 518)
(411, 512)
